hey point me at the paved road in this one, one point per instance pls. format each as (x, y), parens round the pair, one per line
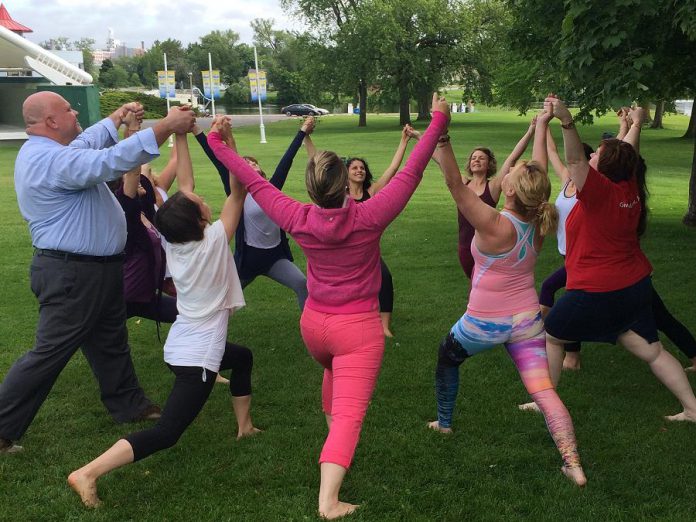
(238, 120)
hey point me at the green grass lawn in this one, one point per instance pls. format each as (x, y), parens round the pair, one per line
(500, 464)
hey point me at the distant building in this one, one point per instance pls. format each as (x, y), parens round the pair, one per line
(116, 49)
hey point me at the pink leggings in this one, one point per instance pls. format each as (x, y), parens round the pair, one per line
(350, 348)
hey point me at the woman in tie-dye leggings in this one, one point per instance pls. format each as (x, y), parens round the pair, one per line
(503, 304)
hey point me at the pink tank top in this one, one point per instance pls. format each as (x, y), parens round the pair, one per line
(503, 284)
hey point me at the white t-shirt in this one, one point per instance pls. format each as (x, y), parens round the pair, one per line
(199, 343)
(259, 230)
(204, 274)
(208, 291)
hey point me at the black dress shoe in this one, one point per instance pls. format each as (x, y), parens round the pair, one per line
(7, 446)
(152, 412)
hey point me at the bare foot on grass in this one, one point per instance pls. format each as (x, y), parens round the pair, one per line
(338, 510)
(529, 406)
(571, 361)
(576, 475)
(85, 487)
(435, 425)
(681, 417)
(248, 432)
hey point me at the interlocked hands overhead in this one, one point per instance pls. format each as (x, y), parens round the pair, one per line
(558, 109)
(181, 119)
(440, 104)
(308, 125)
(131, 113)
(223, 126)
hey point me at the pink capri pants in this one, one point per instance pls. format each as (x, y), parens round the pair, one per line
(350, 348)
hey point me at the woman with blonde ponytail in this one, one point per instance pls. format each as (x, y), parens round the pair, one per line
(503, 304)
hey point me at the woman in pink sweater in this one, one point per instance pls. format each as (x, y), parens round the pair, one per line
(340, 324)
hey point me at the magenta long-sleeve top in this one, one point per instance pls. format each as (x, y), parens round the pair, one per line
(341, 244)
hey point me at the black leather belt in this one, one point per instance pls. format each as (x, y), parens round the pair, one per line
(69, 256)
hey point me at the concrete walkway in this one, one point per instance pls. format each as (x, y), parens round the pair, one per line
(238, 120)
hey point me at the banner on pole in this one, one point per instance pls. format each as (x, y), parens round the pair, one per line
(215, 84)
(261, 85)
(167, 84)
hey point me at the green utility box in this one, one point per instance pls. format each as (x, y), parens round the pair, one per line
(82, 98)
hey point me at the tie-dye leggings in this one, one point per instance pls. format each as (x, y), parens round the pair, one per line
(524, 338)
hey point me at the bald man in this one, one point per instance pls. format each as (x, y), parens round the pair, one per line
(78, 230)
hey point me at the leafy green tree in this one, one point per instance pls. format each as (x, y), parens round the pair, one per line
(328, 17)
(608, 53)
(232, 58)
(295, 63)
(113, 76)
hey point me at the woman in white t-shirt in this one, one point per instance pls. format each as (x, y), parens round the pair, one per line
(208, 291)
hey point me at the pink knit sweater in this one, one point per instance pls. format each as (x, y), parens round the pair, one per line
(341, 244)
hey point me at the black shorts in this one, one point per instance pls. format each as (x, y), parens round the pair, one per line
(603, 316)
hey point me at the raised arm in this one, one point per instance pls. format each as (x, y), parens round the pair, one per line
(624, 123)
(131, 179)
(481, 216)
(184, 169)
(279, 207)
(166, 177)
(552, 152)
(637, 117)
(539, 153)
(311, 148)
(285, 163)
(395, 162)
(222, 170)
(577, 164)
(383, 208)
(494, 184)
(233, 207)
(178, 120)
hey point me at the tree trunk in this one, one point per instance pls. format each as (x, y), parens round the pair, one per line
(362, 94)
(659, 111)
(404, 104)
(424, 106)
(690, 217)
(691, 129)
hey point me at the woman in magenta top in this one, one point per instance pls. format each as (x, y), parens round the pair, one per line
(609, 289)
(340, 323)
(503, 304)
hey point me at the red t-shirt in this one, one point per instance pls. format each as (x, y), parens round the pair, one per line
(603, 252)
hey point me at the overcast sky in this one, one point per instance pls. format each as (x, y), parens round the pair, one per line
(148, 20)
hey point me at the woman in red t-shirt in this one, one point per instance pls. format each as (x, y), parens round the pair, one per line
(609, 295)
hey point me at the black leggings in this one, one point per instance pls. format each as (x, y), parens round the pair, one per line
(187, 398)
(386, 291)
(165, 311)
(675, 331)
